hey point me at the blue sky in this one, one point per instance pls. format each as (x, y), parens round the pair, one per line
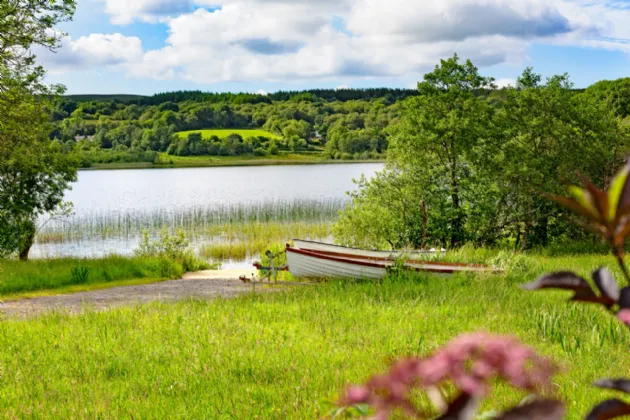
(150, 46)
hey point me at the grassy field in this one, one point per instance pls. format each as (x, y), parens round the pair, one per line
(223, 133)
(41, 277)
(285, 354)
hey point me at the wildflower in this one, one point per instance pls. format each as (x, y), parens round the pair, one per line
(470, 361)
(624, 316)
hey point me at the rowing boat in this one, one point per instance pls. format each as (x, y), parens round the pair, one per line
(317, 264)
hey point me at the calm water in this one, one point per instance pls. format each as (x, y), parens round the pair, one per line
(176, 190)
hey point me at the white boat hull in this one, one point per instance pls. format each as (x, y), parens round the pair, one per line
(308, 266)
(322, 247)
(313, 264)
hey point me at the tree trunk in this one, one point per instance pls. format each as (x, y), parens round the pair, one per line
(29, 240)
(424, 225)
(457, 223)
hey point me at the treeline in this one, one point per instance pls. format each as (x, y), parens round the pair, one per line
(331, 95)
(465, 169)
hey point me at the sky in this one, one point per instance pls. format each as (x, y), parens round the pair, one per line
(151, 46)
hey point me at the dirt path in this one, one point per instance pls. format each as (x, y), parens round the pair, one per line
(203, 285)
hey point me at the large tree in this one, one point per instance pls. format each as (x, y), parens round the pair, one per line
(547, 134)
(440, 129)
(33, 173)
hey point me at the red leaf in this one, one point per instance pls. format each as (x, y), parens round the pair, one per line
(535, 410)
(561, 280)
(622, 384)
(609, 409)
(574, 206)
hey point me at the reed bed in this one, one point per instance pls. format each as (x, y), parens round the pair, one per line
(230, 221)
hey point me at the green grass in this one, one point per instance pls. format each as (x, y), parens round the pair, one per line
(282, 355)
(21, 279)
(223, 133)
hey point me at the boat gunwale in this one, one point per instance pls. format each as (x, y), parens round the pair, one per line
(411, 261)
(362, 262)
(415, 251)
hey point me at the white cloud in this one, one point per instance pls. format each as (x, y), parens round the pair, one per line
(95, 50)
(503, 83)
(455, 20)
(286, 40)
(262, 92)
(123, 12)
(342, 87)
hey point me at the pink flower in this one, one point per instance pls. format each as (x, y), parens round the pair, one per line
(624, 316)
(471, 361)
(356, 395)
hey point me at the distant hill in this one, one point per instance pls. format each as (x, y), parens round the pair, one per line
(99, 98)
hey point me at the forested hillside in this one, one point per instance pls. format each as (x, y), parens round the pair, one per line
(333, 124)
(325, 124)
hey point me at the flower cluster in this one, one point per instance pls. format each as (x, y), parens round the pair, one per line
(469, 361)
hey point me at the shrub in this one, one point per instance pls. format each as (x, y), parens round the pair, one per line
(172, 248)
(79, 275)
(260, 152)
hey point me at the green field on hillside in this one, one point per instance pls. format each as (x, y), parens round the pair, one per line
(223, 133)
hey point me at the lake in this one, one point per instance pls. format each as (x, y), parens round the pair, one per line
(112, 206)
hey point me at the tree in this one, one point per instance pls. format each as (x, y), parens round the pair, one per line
(547, 134)
(33, 172)
(442, 127)
(386, 212)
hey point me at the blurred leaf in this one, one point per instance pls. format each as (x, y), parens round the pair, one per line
(599, 199)
(606, 285)
(584, 198)
(560, 280)
(535, 410)
(589, 297)
(624, 298)
(621, 232)
(622, 384)
(463, 407)
(609, 409)
(574, 206)
(617, 187)
(624, 199)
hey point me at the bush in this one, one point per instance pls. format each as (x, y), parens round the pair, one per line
(260, 152)
(172, 248)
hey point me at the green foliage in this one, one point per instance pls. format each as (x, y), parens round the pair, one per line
(172, 248)
(477, 167)
(79, 275)
(34, 173)
(385, 213)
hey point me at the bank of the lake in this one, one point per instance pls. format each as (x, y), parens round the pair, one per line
(167, 161)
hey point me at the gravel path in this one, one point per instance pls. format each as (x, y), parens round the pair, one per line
(196, 286)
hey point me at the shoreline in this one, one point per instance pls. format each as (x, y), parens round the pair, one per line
(224, 163)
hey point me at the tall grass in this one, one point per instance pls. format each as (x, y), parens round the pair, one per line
(196, 222)
(286, 354)
(19, 276)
